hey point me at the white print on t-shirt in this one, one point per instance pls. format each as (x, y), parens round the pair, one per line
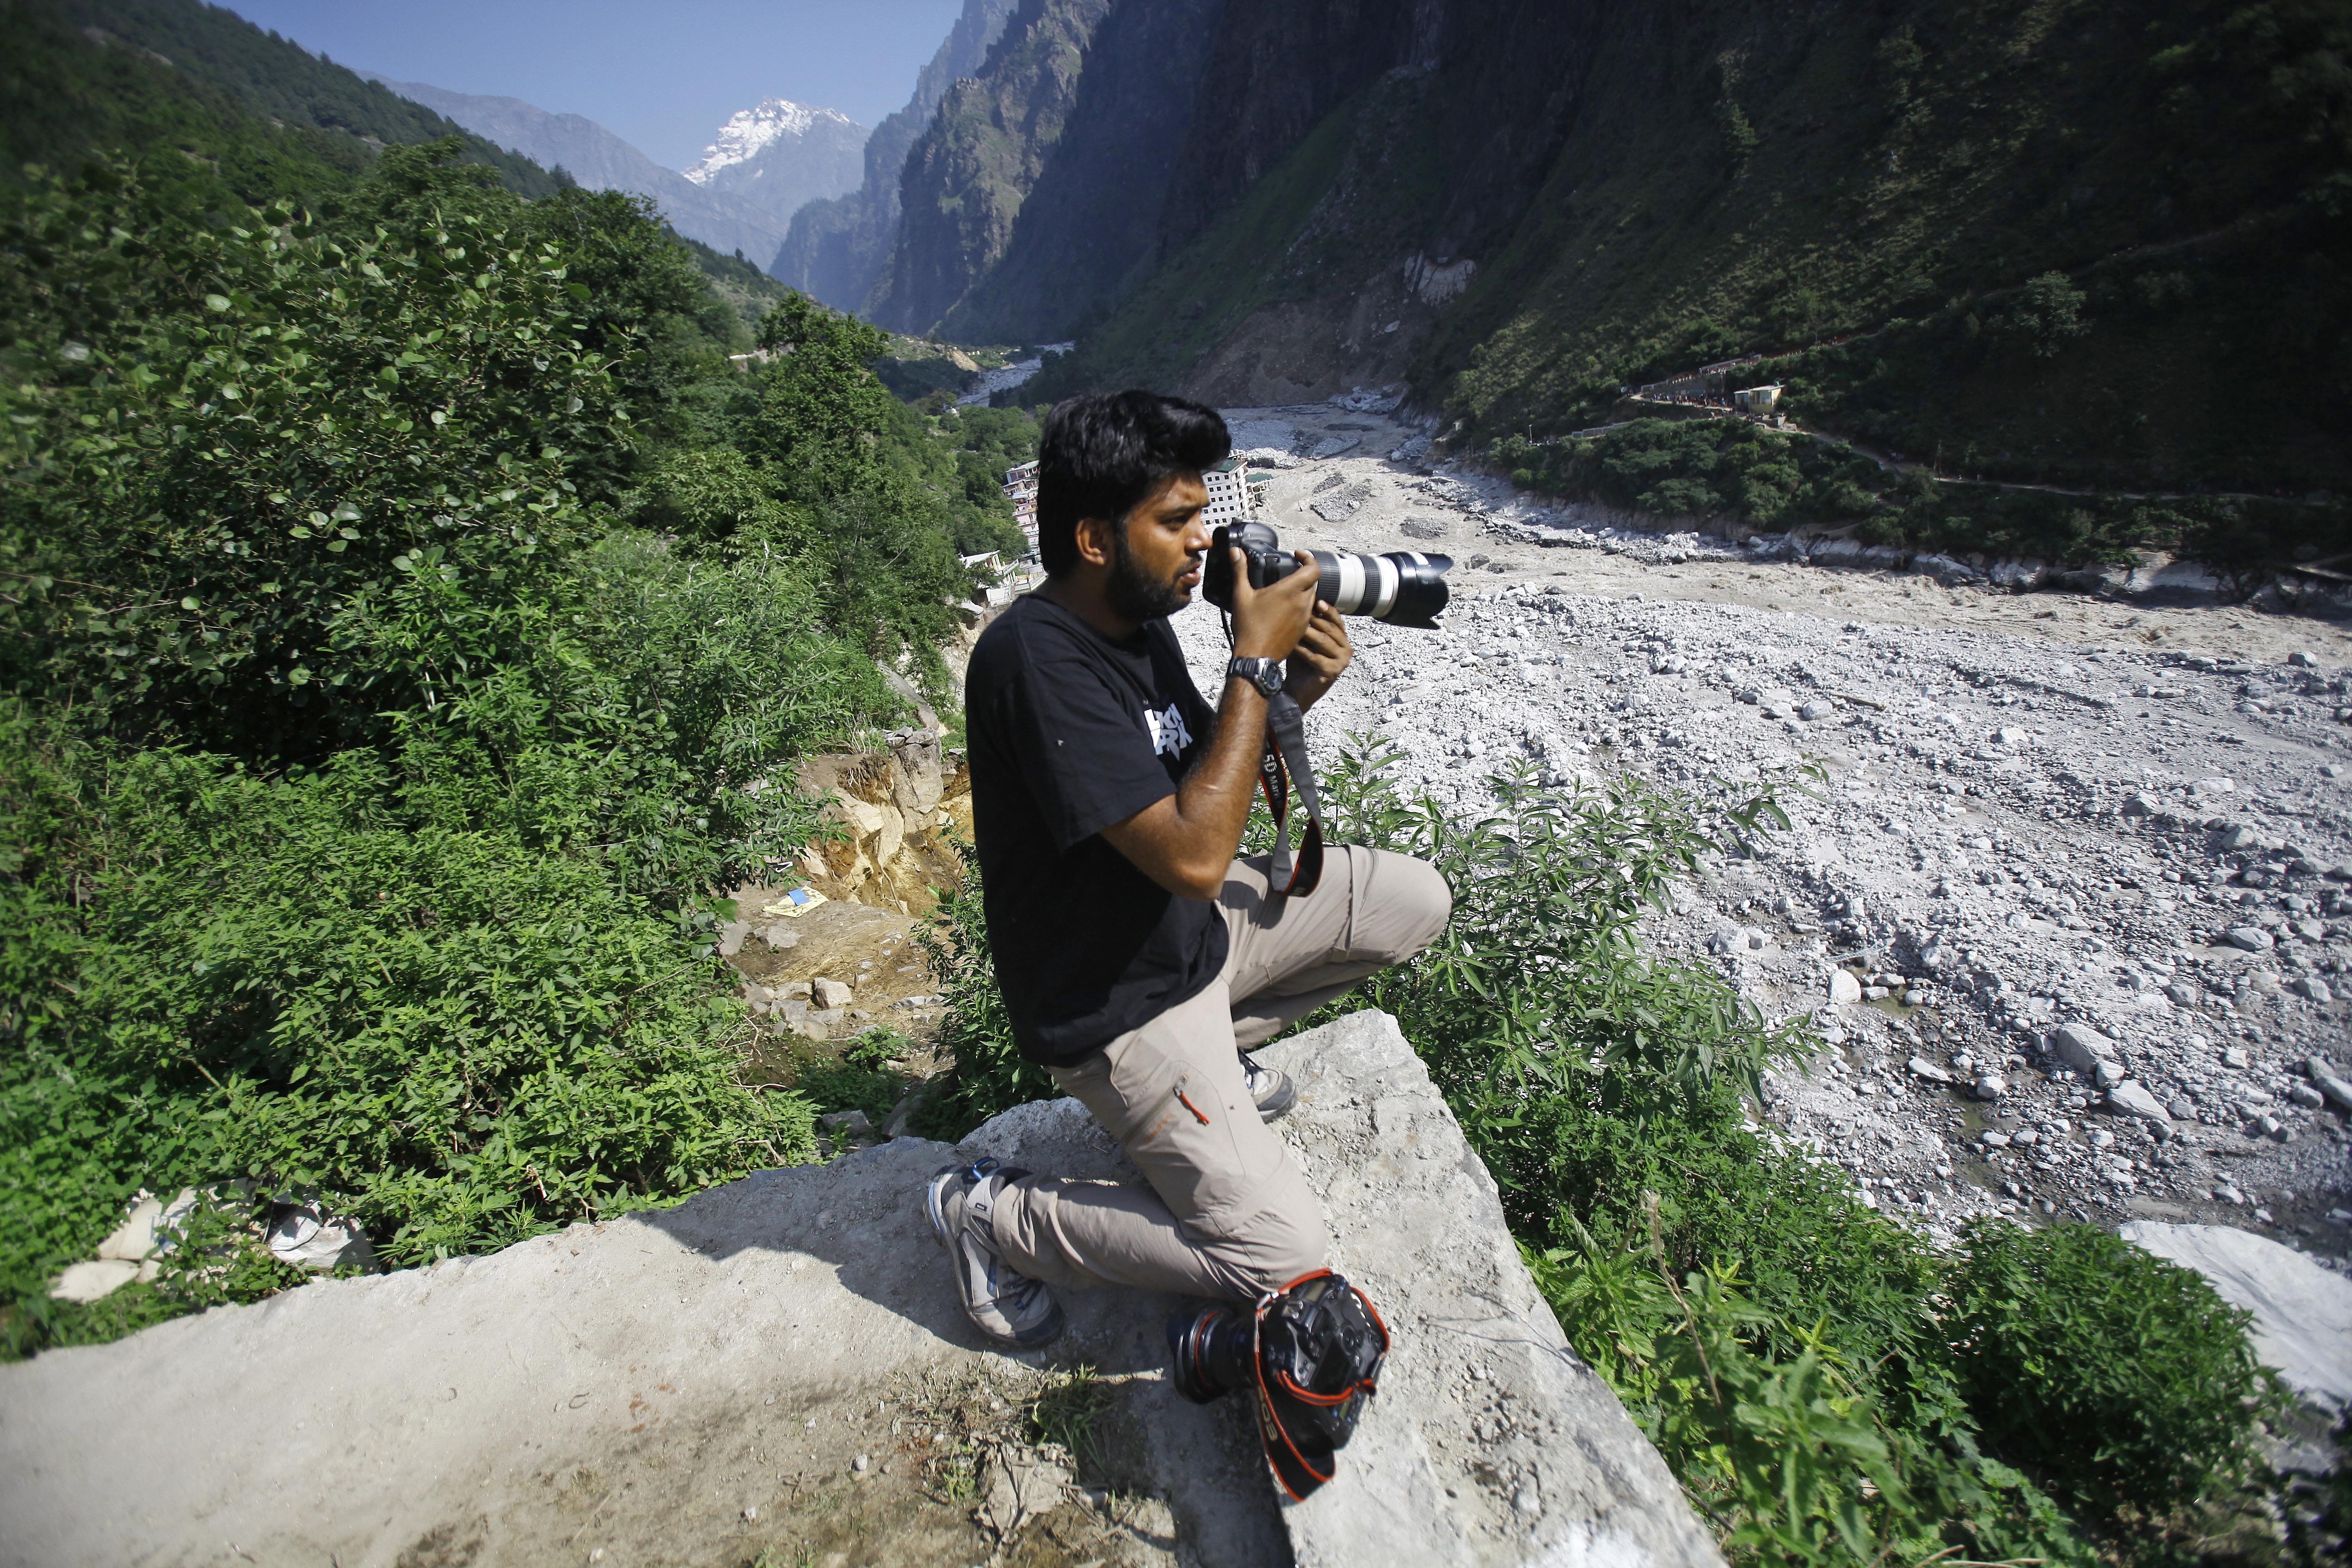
(1168, 732)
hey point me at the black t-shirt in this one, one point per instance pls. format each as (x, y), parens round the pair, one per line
(1071, 732)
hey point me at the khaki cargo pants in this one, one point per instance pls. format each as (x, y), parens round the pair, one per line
(1226, 1214)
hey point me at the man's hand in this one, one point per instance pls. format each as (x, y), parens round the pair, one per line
(1323, 654)
(1186, 841)
(1268, 621)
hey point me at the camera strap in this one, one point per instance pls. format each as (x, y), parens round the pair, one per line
(1282, 764)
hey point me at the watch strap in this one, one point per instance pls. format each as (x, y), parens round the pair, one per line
(1266, 674)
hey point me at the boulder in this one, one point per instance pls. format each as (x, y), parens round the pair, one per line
(697, 1384)
(82, 1283)
(2082, 1047)
(2332, 1085)
(917, 778)
(2128, 1098)
(2303, 1313)
(1540, 1462)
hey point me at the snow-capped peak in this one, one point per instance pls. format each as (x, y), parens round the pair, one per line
(748, 133)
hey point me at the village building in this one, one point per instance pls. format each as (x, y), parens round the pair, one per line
(1232, 500)
(1021, 489)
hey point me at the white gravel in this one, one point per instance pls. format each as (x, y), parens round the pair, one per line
(2042, 809)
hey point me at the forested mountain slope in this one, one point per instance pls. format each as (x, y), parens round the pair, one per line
(406, 602)
(77, 75)
(1520, 209)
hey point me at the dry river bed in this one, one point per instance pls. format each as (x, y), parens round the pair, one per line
(2072, 909)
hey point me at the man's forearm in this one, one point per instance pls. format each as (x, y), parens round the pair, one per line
(1213, 801)
(1185, 842)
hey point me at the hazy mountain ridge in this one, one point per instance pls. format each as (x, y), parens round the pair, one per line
(836, 250)
(727, 200)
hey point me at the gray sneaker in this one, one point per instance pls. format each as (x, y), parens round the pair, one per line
(1270, 1088)
(1007, 1306)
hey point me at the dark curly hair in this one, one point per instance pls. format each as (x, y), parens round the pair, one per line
(1101, 454)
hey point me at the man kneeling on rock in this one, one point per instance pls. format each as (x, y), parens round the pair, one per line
(1138, 958)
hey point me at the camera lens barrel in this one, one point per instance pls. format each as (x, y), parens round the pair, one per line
(1403, 587)
(1209, 1352)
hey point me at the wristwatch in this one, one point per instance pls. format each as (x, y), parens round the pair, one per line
(1266, 674)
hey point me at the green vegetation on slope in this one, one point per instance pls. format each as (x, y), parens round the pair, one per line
(2041, 241)
(1733, 470)
(2188, 166)
(77, 76)
(410, 614)
(1828, 1387)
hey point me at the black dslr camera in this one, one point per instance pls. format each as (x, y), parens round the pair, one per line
(1404, 588)
(1309, 1355)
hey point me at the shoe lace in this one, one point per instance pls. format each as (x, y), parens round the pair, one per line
(1017, 1290)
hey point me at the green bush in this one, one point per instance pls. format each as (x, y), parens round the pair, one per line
(2115, 1378)
(270, 482)
(987, 1073)
(377, 857)
(1704, 468)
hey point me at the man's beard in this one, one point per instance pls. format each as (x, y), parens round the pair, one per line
(1134, 594)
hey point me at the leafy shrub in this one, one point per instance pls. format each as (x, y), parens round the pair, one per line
(344, 979)
(343, 461)
(987, 1072)
(868, 1077)
(2116, 1378)
(1704, 468)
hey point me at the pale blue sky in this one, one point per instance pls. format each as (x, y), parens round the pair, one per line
(663, 76)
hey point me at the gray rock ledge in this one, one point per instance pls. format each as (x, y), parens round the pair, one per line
(701, 1366)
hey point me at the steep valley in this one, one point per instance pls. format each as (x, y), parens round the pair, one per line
(2040, 241)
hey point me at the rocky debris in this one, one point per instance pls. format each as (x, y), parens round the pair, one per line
(700, 1383)
(299, 1230)
(2042, 819)
(895, 811)
(2303, 1313)
(2330, 1083)
(849, 958)
(2082, 1049)
(307, 1233)
(98, 1279)
(2128, 1098)
(1341, 503)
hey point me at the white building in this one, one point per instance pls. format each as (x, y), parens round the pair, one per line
(1021, 489)
(1230, 501)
